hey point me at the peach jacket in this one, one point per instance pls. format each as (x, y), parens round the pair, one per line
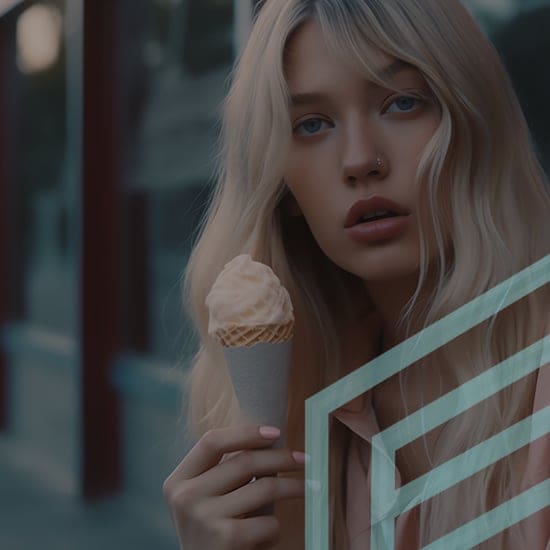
(359, 416)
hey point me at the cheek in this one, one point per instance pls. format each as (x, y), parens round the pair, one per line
(304, 178)
(311, 158)
(314, 206)
(294, 174)
(416, 137)
(301, 167)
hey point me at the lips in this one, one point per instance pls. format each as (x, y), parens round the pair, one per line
(373, 204)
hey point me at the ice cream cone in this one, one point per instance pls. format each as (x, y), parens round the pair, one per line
(260, 376)
(237, 336)
(251, 316)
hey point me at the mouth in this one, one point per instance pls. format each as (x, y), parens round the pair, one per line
(366, 211)
(368, 218)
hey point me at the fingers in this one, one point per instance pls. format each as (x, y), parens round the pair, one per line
(213, 501)
(209, 450)
(232, 474)
(255, 495)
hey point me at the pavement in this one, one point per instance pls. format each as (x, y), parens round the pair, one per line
(38, 513)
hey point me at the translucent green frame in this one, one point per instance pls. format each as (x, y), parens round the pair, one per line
(390, 502)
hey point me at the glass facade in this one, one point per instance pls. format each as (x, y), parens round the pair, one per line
(176, 63)
(46, 268)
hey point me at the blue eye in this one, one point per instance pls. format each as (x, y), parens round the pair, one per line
(404, 102)
(311, 126)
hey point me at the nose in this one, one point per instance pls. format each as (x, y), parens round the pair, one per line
(363, 158)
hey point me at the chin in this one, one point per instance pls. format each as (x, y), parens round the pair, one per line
(381, 274)
(385, 264)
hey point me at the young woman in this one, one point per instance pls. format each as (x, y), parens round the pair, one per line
(403, 104)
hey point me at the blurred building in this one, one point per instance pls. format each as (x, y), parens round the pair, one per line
(109, 114)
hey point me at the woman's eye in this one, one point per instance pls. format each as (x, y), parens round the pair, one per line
(405, 104)
(311, 126)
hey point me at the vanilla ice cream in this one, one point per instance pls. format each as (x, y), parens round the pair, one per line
(248, 304)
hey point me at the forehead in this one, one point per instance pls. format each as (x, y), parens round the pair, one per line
(308, 60)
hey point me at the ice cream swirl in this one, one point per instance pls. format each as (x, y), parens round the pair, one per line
(247, 294)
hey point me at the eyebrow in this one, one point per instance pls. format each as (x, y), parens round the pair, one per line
(387, 72)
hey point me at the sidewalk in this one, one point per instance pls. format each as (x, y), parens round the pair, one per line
(35, 515)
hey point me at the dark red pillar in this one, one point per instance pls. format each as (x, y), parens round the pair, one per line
(101, 252)
(10, 284)
(5, 271)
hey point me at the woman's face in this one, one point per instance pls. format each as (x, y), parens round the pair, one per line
(337, 139)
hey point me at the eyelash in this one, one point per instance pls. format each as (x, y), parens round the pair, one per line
(416, 99)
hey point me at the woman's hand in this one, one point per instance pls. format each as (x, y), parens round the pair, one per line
(212, 502)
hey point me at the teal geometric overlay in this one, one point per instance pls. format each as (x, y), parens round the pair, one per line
(390, 502)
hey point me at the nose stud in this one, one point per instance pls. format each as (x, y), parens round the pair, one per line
(379, 166)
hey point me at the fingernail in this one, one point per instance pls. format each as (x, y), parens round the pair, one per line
(299, 457)
(270, 432)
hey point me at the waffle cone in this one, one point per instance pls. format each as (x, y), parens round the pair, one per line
(237, 336)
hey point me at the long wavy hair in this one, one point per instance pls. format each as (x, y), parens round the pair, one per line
(482, 188)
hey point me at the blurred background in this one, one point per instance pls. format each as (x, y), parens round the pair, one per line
(109, 114)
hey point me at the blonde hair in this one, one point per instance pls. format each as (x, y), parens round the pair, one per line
(482, 186)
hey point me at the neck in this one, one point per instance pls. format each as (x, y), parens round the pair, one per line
(389, 298)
